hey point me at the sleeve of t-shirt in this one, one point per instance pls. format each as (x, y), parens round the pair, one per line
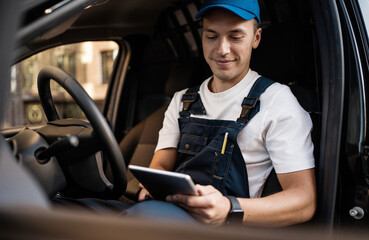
(288, 136)
(169, 134)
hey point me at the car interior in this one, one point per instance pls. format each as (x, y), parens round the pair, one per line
(160, 53)
(165, 56)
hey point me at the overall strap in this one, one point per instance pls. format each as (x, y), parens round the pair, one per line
(251, 104)
(192, 103)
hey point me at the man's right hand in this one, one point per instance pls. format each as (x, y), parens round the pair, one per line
(144, 194)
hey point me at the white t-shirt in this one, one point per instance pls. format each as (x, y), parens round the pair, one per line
(278, 135)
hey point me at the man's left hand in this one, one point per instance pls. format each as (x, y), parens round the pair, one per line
(210, 206)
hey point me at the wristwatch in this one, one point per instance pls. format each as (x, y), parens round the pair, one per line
(235, 215)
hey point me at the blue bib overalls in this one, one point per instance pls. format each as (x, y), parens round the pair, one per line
(202, 156)
(206, 153)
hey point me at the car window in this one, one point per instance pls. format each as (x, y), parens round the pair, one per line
(364, 6)
(90, 63)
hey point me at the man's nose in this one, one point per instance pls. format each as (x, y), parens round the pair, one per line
(223, 47)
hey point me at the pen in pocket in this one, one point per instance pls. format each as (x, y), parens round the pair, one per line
(224, 142)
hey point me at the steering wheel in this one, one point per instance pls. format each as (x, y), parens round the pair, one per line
(93, 114)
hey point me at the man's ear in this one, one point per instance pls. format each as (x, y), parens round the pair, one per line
(257, 38)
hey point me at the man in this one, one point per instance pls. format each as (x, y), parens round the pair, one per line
(230, 155)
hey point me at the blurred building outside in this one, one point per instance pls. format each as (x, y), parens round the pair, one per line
(90, 63)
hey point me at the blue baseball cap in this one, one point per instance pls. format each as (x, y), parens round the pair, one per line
(246, 9)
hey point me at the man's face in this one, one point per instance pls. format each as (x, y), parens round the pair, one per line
(227, 43)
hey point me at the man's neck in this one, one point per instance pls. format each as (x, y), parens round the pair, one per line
(218, 85)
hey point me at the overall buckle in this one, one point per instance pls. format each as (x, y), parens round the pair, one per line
(248, 104)
(187, 99)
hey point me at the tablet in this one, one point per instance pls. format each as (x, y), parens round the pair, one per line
(161, 183)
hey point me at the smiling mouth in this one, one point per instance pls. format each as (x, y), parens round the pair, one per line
(223, 62)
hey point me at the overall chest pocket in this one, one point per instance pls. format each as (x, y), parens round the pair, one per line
(191, 144)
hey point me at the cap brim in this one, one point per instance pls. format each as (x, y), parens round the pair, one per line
(240, 12)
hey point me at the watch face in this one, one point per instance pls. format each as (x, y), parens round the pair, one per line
(236, 216)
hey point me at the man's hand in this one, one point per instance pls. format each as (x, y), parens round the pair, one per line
(209, 207)
(144, 194)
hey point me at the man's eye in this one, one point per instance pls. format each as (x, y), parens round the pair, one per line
(236, 37)
(211, 37)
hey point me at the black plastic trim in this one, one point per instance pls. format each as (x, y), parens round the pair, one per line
(327, 22)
